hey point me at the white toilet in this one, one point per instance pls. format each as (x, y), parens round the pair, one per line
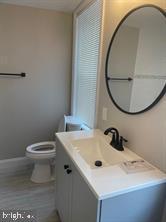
(43, 153)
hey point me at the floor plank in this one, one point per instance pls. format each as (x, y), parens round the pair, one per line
(18, 192)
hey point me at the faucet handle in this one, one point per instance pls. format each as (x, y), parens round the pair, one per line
(120, 145)
(123, 139)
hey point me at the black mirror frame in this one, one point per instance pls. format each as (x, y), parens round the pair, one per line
(107, 78)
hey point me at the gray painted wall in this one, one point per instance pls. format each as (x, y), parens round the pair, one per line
(37, 42)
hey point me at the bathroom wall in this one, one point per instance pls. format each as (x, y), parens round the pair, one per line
(37, 42)
(145, 132)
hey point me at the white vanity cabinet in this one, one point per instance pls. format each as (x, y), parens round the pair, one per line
(77, 202)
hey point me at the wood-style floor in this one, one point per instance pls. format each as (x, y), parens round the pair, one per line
(18, 192)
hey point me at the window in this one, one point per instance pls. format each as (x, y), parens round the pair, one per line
(87, 43)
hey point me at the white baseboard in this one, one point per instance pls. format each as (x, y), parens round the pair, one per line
(15, 164)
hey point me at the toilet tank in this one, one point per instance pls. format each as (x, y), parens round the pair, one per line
(69, 123)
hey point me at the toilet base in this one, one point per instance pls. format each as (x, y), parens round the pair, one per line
(41, 173)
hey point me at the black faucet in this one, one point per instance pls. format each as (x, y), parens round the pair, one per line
(115, 136)
(117, 141)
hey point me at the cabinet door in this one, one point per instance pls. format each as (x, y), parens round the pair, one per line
(63, 184)
(144, 205)
(85, 206)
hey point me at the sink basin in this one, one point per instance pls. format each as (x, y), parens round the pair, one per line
(96, 148)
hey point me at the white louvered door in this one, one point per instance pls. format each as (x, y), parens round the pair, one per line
(88, 27)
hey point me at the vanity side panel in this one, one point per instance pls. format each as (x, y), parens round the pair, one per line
(85, 206)
(144, 205)
(164, 214)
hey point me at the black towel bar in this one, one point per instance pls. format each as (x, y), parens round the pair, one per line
(23, 74)
(120, 79)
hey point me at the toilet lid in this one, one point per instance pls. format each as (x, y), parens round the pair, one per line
(42, 148)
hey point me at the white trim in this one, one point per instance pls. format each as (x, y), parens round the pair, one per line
(85, 4)
(14, 164)
(73, 88)
(99, 72)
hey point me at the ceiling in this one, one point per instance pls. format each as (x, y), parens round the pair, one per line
(58, 5)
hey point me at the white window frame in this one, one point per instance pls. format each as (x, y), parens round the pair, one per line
(78, 11)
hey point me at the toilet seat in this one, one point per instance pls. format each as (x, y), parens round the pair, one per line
(42, 148)
(47, 147)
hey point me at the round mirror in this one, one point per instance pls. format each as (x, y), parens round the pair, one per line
(136, 60)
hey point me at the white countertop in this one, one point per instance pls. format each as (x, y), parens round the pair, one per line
(109, 181)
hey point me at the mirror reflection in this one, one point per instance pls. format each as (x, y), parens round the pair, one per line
(136, 66)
